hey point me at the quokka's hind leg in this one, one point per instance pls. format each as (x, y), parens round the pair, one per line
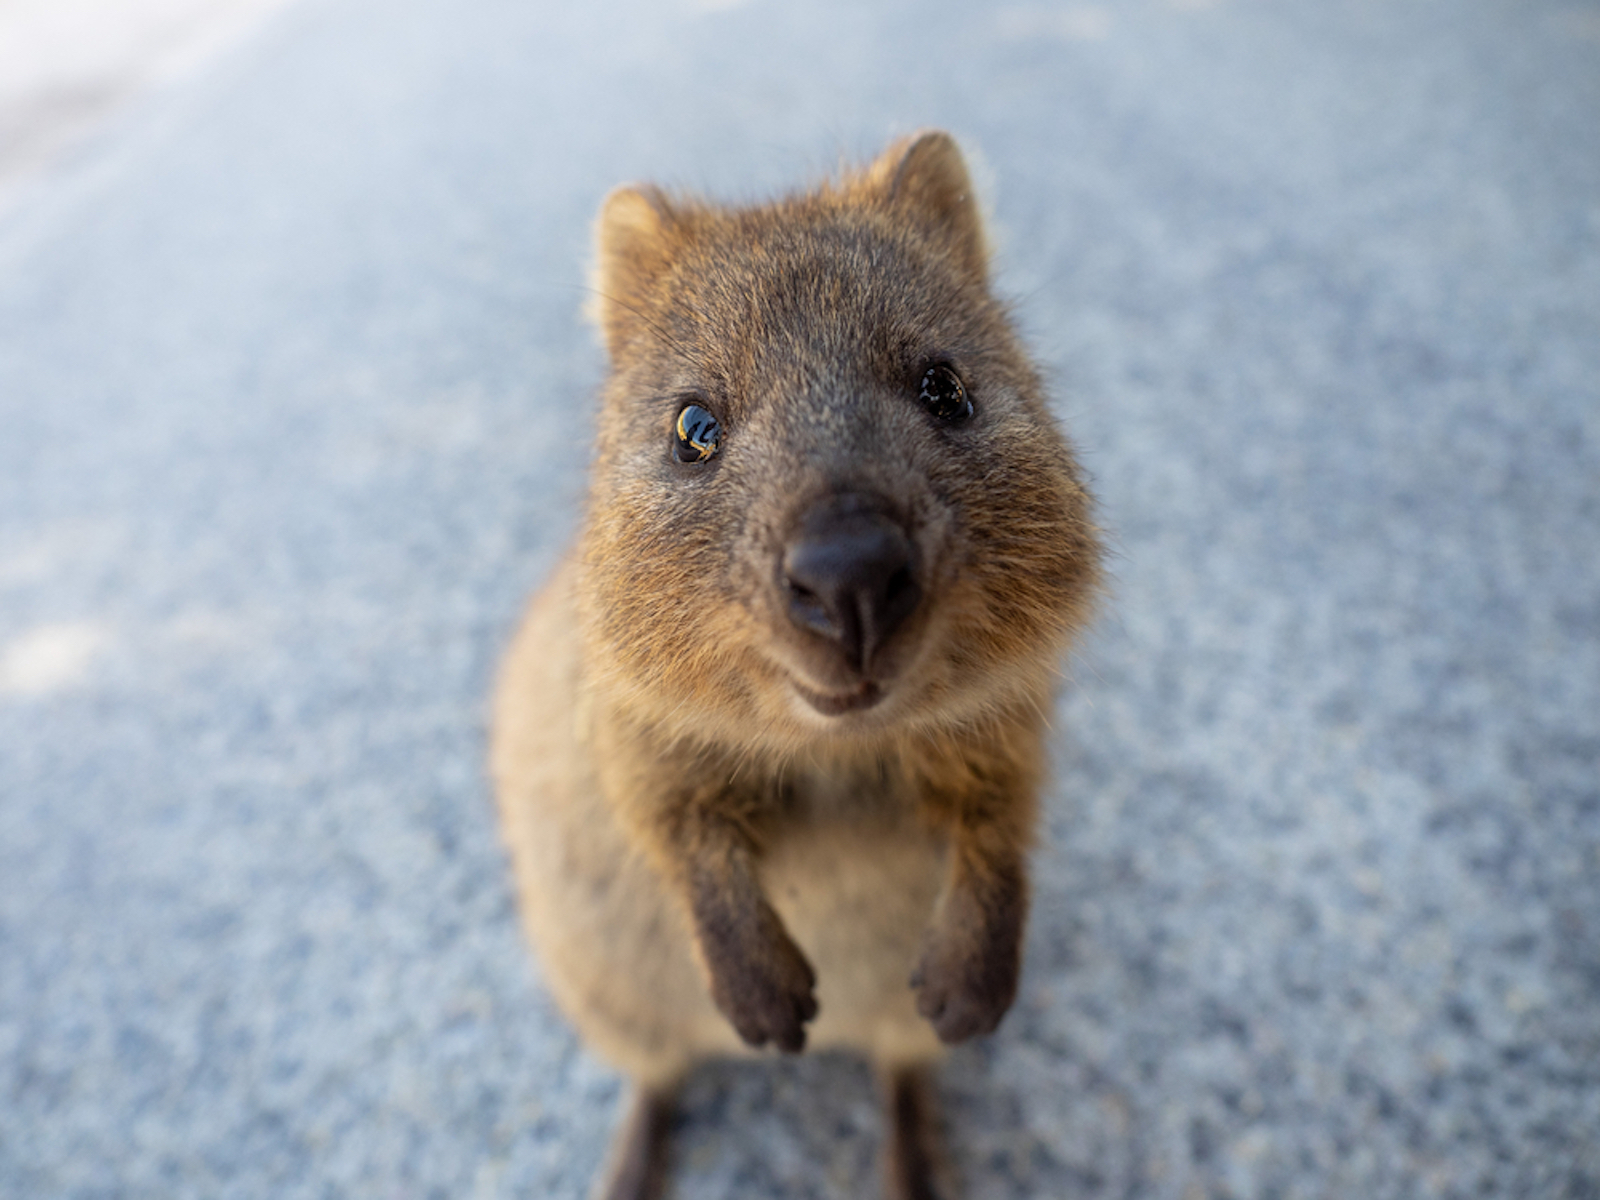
(916, 1163)
(636, 1168)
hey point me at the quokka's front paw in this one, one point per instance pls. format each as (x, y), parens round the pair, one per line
(966, 984)
(766, 994)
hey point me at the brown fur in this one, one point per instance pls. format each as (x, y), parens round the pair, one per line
(637, 1170)
(707, 860)
(915, 1166)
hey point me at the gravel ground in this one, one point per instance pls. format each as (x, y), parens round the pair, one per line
(288, 368)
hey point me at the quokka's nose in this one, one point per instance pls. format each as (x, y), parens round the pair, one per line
(849, 573)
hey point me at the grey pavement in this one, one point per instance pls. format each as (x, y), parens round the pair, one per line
(292, 390)
(65, 65)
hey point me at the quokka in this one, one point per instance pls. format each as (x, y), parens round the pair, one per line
(768, 746)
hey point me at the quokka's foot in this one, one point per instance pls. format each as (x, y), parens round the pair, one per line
(637, 1167)
(916, 1166)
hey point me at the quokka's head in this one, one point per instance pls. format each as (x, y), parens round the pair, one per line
(830, 503)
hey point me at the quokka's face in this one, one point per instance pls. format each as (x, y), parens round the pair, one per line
(829, 500)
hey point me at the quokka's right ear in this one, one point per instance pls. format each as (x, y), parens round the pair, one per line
(635, 236)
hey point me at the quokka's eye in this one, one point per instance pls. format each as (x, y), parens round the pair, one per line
(698, 435)
(944, 395)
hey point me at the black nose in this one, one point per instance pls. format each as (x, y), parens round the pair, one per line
(849, 572)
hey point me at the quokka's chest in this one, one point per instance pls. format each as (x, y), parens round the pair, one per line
(868, 794)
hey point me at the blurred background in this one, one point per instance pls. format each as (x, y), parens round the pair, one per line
(65, 65)
(289, 309)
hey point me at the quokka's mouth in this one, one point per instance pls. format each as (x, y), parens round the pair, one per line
(837, 704)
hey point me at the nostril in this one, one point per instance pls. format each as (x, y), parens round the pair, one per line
(898, 584)
(809, 609)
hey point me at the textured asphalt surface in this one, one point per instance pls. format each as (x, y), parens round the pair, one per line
(293, 407)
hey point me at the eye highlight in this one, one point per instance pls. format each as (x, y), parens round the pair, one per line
(699, 435)
(944, 395)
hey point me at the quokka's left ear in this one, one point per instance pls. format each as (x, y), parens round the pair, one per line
(926, 177)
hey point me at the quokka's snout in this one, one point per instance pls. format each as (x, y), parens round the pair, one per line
(850, 575)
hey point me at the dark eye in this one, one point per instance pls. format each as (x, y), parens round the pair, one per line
(943, 394)
(698, 435)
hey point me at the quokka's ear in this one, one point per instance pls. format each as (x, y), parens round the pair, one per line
(635, 236)
(926, 177)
